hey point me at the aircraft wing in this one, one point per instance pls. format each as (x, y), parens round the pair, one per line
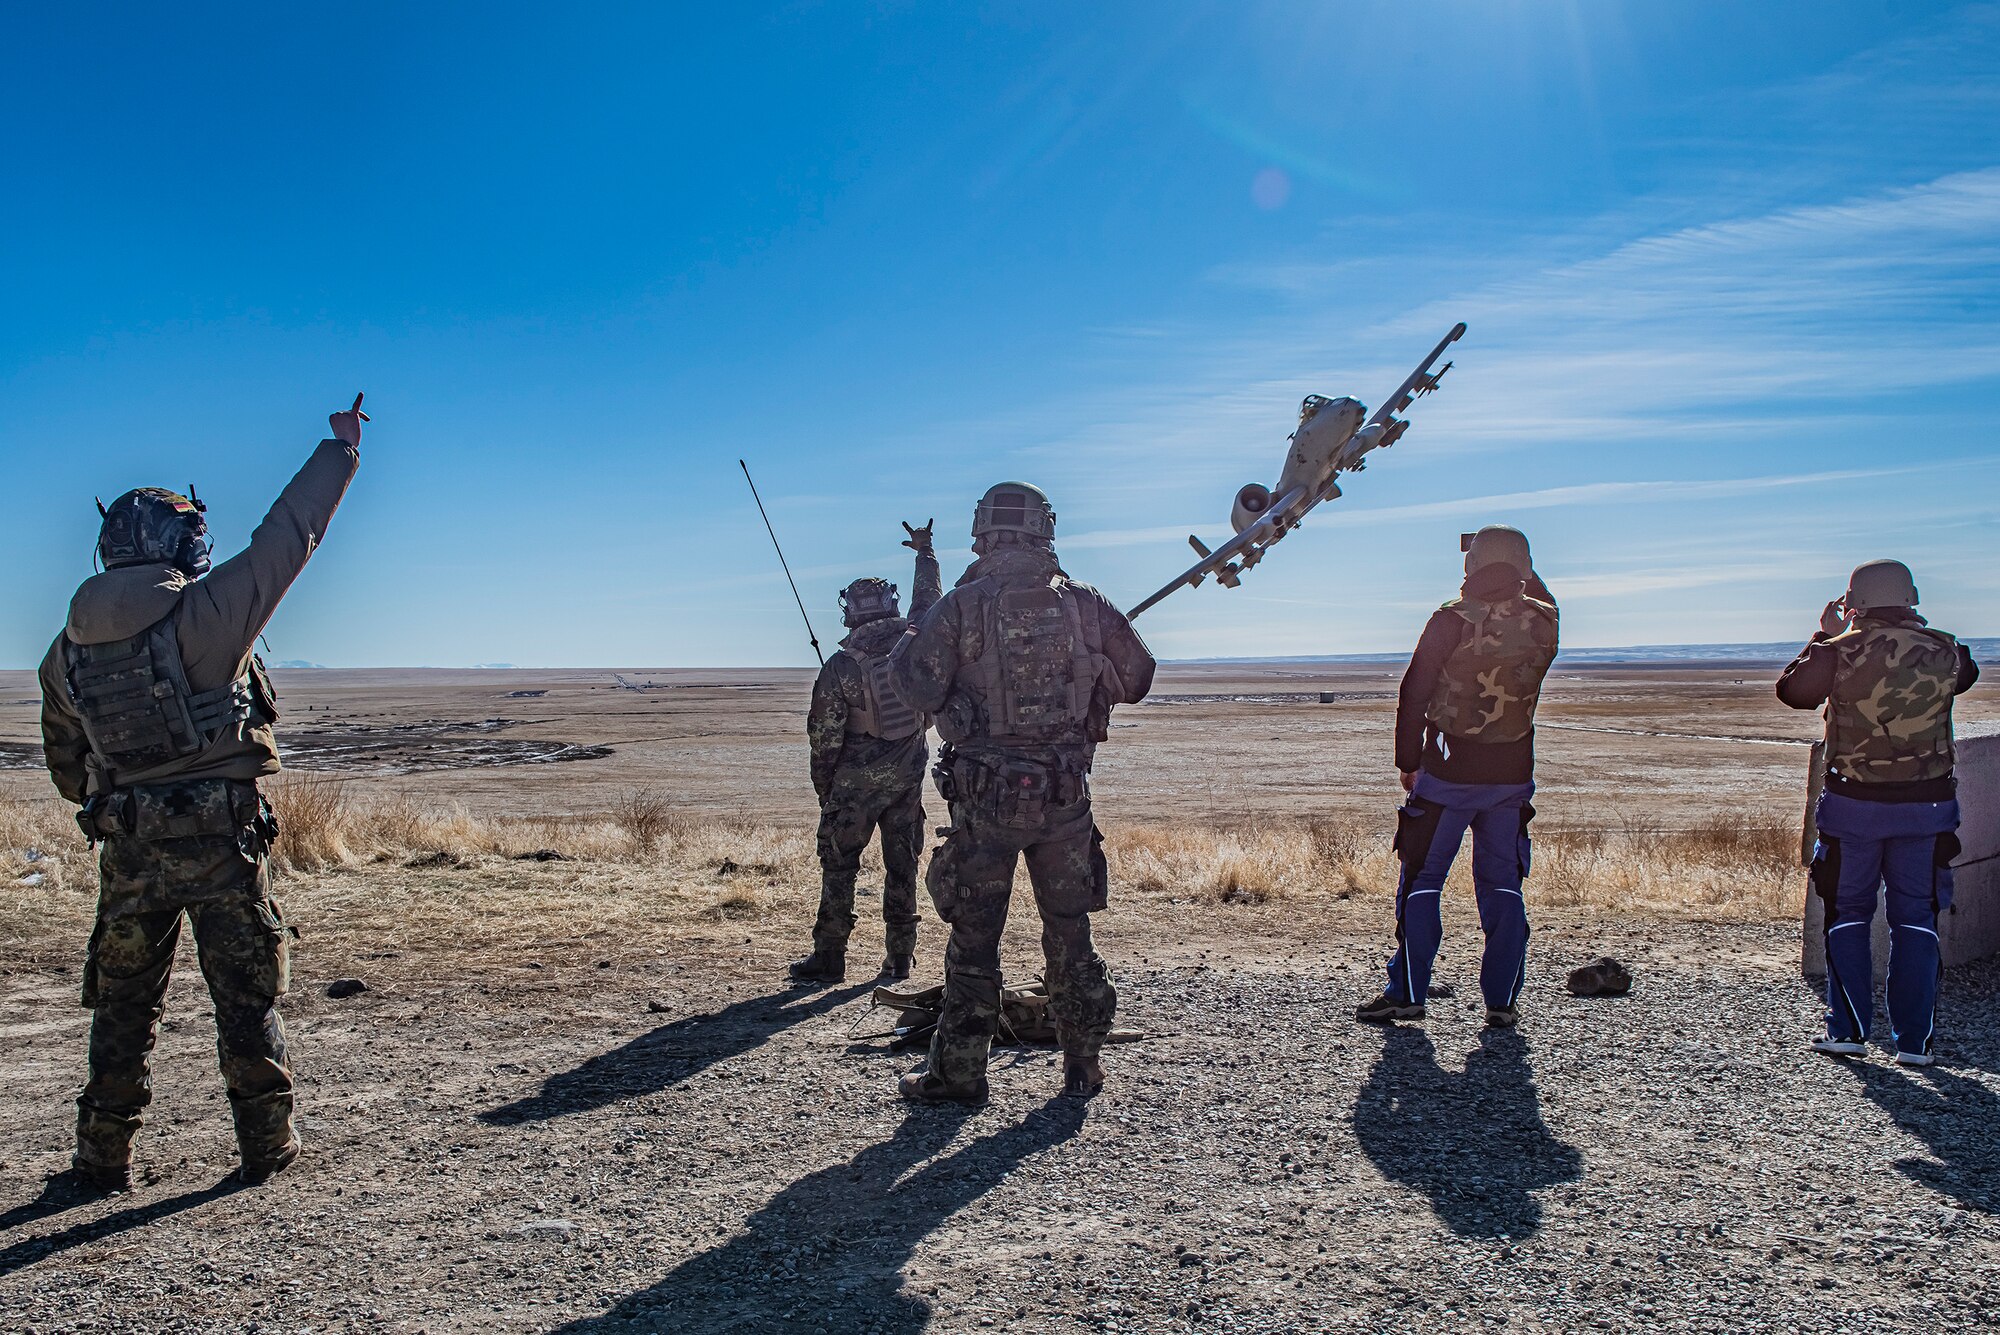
(1246, 549)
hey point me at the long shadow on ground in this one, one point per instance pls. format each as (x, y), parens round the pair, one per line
(662, 1058)
(826, 1253)
(1474, 1143)
(1956, 1116)
(30, 1250)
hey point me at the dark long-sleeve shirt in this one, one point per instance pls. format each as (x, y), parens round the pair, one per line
(1419, 744)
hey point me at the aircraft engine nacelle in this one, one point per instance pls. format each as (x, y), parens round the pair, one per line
(1251, 504)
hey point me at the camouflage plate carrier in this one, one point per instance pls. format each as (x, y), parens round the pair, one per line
(883, 712)
(1888, 719)
(137, 709)
(1492, 681)
(1036, 676)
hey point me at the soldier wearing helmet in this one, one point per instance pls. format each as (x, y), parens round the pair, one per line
(1021, 666)
(1889, 808)
(868, 752)
(1465, 749)
(156, 720)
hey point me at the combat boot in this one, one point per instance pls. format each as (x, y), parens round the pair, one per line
(1083, 1077)
(824, 967)
(256, 1172)
(896, 967)
(924, 1087)
(102, 1176)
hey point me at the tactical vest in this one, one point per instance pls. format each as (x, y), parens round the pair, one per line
(883, 712)
(137, 709)
(1036, 670)
(1888, 719)
(1492, 681)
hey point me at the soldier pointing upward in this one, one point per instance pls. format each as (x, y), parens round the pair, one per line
(868, 754)
(156, 718)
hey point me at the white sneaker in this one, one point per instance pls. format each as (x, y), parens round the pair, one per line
(1914, 1059)
(1840, 1047)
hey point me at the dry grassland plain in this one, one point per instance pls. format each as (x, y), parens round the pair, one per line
(576, 1094)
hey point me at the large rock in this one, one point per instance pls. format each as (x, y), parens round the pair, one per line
(1970, 929)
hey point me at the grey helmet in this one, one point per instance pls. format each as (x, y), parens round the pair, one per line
(1014, 507)
(1881, 584)
(154, 526)
(1497, 544)
(867, 600)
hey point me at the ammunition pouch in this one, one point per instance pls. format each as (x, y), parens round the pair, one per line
(1015, 792)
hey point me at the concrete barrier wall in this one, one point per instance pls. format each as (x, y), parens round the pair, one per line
(1970, 928)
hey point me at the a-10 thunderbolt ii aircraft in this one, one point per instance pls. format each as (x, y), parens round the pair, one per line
(1330, 440)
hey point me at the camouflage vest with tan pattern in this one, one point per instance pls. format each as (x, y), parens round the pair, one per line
(1888, 719)
(1489, 686)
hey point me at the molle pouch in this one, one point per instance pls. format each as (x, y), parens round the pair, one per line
(1021, 793)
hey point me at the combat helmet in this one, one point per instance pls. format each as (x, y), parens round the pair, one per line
(1881, 584)
(152, 525)
(1014, 507)
(867, 600)
(1497, 544)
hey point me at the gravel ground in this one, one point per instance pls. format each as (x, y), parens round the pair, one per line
(675, 1144)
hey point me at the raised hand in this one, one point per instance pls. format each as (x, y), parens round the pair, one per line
(919, 540)
(347, 426)
(1834, 619)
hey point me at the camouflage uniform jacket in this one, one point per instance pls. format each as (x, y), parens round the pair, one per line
(217, 619)
(929, 659)
(1420, 743)
(1887, 682)
(839, 694)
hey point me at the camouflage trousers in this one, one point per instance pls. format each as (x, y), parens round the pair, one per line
(221, 883)
(854, 809)
(971, 881)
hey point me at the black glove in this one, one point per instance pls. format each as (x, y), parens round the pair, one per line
(919, 540)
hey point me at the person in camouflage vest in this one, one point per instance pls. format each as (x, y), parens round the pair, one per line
(156, 719)
(868, 753)
(1465, 749)
(1021, 667)
(1889, 808)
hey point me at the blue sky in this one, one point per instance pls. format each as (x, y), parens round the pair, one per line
(1731, 274)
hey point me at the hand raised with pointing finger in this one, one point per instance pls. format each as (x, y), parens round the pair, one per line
(347, 426)
(919, 540)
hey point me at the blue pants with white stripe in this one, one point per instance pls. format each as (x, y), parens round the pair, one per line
(1429, 829)
(1862, 845)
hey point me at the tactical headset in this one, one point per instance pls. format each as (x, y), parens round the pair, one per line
(153, 526)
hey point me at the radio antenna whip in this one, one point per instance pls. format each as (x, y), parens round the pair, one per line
(782, 562)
